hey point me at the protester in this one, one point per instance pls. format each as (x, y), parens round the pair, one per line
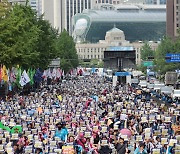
(87, 115)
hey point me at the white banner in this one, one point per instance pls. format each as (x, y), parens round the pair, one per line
(24, 79)
(114, 81)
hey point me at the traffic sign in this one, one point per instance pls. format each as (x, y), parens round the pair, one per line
(148, 63)
(122, 73)
(173, 58)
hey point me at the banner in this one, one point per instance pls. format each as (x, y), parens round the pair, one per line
(24, 79)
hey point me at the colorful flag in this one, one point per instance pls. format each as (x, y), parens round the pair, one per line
(49, 74)
(31, 74)
(58, 74)
(0, 73)
(16, 129)
(24, 79)
(4, 73)
(12, 75)
(18, 76)
(54, 73)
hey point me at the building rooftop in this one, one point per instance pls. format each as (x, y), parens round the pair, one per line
(115, 30)
(114, 16)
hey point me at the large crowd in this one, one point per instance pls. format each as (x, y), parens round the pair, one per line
(88, 115)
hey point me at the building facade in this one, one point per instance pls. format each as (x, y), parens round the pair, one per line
(36, 5)
(60, 12)
(114, 38)
(134, 21)
(173, 18)
(158, 2)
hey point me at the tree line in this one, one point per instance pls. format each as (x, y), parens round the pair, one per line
(30, 41)
(167, 45)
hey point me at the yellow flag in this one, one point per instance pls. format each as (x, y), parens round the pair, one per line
(60, 97)
(4, 73)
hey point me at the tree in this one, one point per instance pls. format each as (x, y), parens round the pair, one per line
(46, 43)
(166, 46)
(18, 38)
(146, 52)
(4, 8)
(67, 51)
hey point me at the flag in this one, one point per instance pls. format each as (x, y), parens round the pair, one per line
(16, 129)
(24, 79)
(58, 73)
(31, 74)
(18, 76)
(0, 73)
(63, 73)
(54, 73)
(49, 74)
(38, 76)
(12, 76)
(4, 73)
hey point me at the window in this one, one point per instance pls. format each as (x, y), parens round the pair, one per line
(177, 25)
(98, 56)
(91, 56)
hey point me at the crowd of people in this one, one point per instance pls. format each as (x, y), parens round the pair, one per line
(89, 115)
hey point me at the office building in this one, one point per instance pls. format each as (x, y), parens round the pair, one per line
(158, 2)
(173, 18)
(139, 23)
(36, 5)
(60, 12)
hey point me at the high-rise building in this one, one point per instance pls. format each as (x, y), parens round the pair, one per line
(36, 5)
(60, 12)
(155, 2)
(118, 1)
(173, 18)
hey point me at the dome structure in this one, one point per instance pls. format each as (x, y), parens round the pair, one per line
(81, 26)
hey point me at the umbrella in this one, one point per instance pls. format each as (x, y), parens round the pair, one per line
(126, 132)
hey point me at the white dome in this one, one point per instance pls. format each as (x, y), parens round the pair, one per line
(80, 26)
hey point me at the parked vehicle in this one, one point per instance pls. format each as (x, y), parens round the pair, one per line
(158, 86)
(176, 93)
(166, 90)
(143, 83)
(171, 78)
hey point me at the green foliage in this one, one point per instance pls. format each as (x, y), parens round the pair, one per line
(46, 43)
(146, 52)
(31, 42)
(4, 9)
(18, 37)
(166, 46)
(67, 51)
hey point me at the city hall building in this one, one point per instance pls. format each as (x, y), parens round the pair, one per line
(138, 22)
(114, 39)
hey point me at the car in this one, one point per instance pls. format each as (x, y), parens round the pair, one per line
(150, 85)
(152, 80)
(143, 83)
(158, 86)
(166, 90)
(176, 93)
